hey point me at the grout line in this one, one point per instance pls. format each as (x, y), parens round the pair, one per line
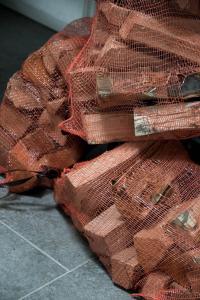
(34, 246)
(43, 286)
(53, 280)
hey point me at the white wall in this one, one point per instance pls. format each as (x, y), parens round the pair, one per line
(52, 13)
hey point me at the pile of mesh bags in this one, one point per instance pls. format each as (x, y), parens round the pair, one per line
(130, 75)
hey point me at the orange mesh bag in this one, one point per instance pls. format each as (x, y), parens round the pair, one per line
(137, 77)
(35, 102)
(138, 207)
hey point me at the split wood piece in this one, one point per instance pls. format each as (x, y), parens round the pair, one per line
(79, 219)
(114, 14)
(155, 284)
(126, 271)
(184, 268)
(183, 224)
(55, 106)
(105, 260)
(14, 122)
(63, 157)
(61, 193)
(63, 51)
(48, 61)
(23, 94)
(89, 186)
(105, 127)
(116, 55)
(6, 143)
(100, 128)
(33, 69)
(153, 246)
(83, 83)
(158, 119)
(107, 234)
(164, 246)
(56, 134)
(31, 148)
(175, 35)
(193, 270)
(141, 195)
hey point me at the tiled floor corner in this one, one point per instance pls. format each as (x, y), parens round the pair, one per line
(43, 257)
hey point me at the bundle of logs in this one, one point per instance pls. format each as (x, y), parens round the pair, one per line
(137, 205)
(130, 75)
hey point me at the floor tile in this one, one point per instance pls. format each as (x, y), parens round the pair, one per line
(37, 219)
(89, 282)
(22, 268)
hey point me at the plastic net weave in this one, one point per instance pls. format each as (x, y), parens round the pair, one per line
(35, 102)
(138, 206)
(137, 77)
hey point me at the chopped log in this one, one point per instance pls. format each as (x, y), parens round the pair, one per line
(102, 128)
(89, 186)
(33, 69)
(63, 157)
(23, 94)
(114, 14)
(63, 51)
(126, 271)
(54, 106)
(166, 246)
(176, 35)
(83, 81)
(105, 127)
(182, 224)
(31, 148)
(155, 283)
(108, 234)
(152, 247)
(115, 55)
(157, 119)
(141, 195)
(14, 122)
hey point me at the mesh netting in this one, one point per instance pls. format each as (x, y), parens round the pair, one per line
(35, 102)
(131, 74)
(137, 205)
(137, 77)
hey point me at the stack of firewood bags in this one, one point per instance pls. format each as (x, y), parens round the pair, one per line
(129, 75)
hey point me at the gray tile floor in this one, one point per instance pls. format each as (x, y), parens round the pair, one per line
(42, 256)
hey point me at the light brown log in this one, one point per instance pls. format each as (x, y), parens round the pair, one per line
(33, 69)
(23, 94)
(14, 122)
(157, 119)
(63, 157)
(89, 186)
(62, 52)
(116, 55)
(114, 14)
(143, 196)
(126, 271)
(102, 128)
(31, 148)
(176, 35)
(155, 283)
(108, 234)
(152, 247)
